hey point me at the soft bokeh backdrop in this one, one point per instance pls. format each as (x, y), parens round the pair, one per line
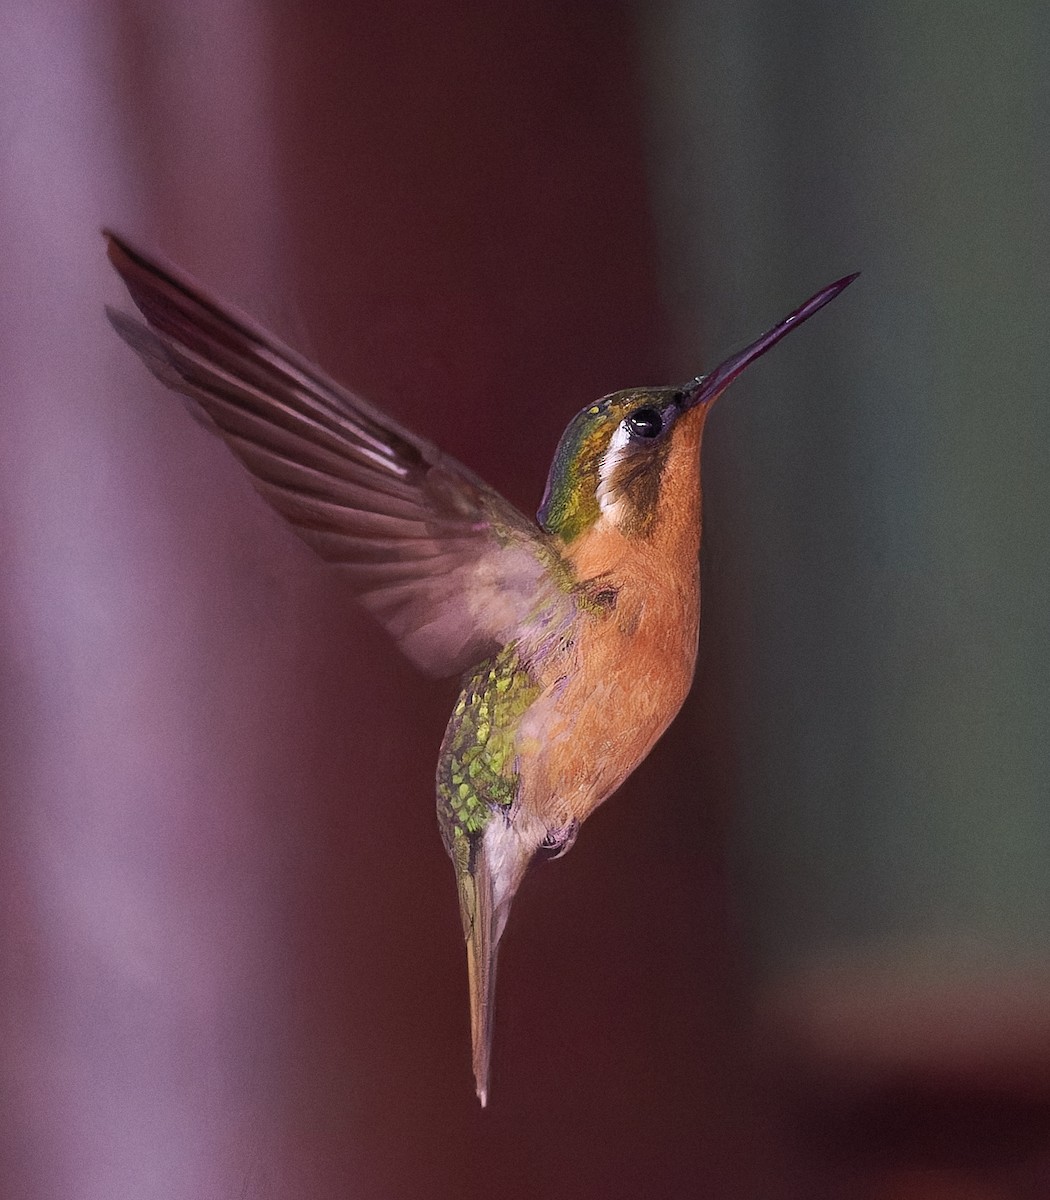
(804, 954)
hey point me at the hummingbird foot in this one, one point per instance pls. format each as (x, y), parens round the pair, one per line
(559, 842)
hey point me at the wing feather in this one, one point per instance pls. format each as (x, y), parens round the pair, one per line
(442, 560)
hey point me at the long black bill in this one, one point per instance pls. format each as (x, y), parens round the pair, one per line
(708, 387)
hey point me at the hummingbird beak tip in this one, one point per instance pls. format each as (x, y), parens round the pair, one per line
(705, 389)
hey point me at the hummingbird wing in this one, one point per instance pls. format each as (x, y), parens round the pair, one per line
(440, 558)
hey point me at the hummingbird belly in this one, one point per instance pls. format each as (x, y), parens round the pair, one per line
(589, 729)
(548, 740)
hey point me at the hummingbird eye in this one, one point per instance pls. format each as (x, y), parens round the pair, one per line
(645, 423)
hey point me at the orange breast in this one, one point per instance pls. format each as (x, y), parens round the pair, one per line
(610, 697)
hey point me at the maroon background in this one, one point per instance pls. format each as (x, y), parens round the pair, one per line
(252, 979)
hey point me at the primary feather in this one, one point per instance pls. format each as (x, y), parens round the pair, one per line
(452, 569)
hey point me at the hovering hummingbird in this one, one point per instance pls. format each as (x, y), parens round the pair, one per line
(576, 634)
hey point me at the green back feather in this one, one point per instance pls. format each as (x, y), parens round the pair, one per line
(477, 766)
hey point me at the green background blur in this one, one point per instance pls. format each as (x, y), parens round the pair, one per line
(882, 498)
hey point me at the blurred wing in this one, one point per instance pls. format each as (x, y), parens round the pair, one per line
(442, 560)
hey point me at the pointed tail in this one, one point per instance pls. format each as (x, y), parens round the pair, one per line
(488, 874)
(477, 908)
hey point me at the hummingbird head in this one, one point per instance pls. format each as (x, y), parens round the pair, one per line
(612, 459)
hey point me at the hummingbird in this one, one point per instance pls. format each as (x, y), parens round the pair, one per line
(575, 634)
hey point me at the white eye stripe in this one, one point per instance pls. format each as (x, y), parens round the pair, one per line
(611, 459)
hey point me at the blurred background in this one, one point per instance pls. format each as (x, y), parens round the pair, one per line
(804, 953)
